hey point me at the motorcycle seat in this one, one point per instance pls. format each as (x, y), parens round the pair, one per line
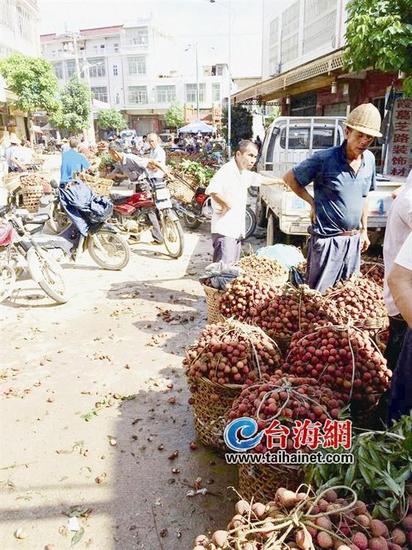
(119, 199)
(37, 219)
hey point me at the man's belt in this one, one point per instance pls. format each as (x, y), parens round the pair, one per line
(350, 233)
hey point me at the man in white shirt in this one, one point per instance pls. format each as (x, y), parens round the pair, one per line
(400, 285)
(398, 228)
(228, 189)
(158, 154)
(13, 155)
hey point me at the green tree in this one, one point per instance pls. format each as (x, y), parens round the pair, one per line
(174, 116)
(75, 107)
(110, 119)
(379, 35)
(33, 81)
(241, 126)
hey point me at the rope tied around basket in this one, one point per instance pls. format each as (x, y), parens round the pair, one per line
(287, 520)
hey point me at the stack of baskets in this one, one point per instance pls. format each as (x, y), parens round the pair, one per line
(260, 481)
(212, 301)
(32, 186)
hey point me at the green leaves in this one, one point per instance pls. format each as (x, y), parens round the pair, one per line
(174, 116)
(379, 35)
(75, 107)
(110, 119)
(33, 80)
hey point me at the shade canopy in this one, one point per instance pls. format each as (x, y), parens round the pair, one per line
(197, 126)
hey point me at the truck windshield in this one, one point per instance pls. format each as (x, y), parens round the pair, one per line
(299, 138)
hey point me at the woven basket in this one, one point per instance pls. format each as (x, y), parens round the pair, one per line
(181, 190)
(210, 403)
(212, 301)
(260, 481)
(101, 186)
(31, 199)
(282, 341)
(381, 338)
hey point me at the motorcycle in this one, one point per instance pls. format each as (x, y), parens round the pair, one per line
(18, 251)
(106, 247)
(200, 210)
(131, 214)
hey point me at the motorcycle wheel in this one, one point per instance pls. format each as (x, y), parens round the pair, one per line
(250, 222)
(109, 250)
(191, 222)
(7, 281)
(48, 273)
(173, 236)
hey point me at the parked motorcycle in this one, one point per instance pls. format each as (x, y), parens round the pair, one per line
(130, 213)
(200, 211)
(106, 247)
(18, 251)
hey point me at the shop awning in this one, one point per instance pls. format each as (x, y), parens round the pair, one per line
(275, 87)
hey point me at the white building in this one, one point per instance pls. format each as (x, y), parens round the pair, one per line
(135, 68)
(19, 32)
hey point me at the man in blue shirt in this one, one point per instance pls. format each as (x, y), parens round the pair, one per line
(342, 178)
(72, 163)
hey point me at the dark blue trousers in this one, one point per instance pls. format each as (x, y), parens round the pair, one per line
(401, 387)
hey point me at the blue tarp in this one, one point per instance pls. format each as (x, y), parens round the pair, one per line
(197, 126)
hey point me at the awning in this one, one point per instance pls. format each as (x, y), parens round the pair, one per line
(197, 126)
(275, 87)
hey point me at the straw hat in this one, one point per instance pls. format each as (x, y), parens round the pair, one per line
(366, 119)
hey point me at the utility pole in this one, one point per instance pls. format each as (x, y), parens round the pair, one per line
(197, 81)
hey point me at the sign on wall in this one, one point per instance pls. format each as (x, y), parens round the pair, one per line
(400, 153)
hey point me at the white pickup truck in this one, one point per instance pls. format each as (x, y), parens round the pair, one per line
(288, 141)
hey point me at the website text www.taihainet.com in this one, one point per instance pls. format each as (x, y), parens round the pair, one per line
(283, 457)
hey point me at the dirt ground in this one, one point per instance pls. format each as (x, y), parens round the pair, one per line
(76, 473)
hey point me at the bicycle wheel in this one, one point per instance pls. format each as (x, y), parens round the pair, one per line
(47, 273)
(109, 250)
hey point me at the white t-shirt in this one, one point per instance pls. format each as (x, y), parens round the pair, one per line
(158, 154)
(232, 185)
(404, 257)
(398, 228)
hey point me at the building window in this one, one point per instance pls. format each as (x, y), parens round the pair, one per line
(137, 64)
(117, 98)
(165, 94)
(6, 17)
(70, 67)
(274, 46)
(116, 48)
(138, 36)
(100, 93)
(138, 94)
(319, 24)
(97, 69)
(115, 70)
(290, 33)
(216, 91)
(58, 70)
(191, 93)
(219, 70)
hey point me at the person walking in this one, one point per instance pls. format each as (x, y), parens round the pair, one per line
(400, 286)
(342, 177)
(228, 190)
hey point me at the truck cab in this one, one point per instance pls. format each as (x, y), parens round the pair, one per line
(289, 141)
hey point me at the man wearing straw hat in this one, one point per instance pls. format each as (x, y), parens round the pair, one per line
(342, 178)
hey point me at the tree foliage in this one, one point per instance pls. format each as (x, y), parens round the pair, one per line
(174, 116)
(110, 119)
(33, 81)
(379, 35)
(241, 126)
(75, 107)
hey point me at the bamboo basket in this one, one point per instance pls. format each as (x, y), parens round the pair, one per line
(210, 403)
(212, 301)
(260, 481)
(181, 189)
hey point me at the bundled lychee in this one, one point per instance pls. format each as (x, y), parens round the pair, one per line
(375, 271)
(342, 358)
(244, 295)
(263, 268)
(286, 399)
(359, 301)
(309, 522)
(291, 310)
(232, 353)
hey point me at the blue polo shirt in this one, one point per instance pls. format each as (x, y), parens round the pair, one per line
(72, 162)
(339, 193)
